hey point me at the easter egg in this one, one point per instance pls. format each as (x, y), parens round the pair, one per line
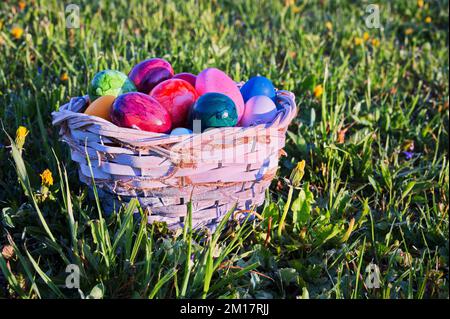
(188, 77)
(258, 85)
(214, 80)
(140, 111)
(147, 74)
(215, 110)
(176, 96)
(258, 110)
(181, 131)
(101, 107)
(109, 82)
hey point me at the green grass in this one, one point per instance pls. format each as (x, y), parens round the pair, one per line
(360, 201)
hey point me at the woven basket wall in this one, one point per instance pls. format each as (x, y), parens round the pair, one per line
(215, 169)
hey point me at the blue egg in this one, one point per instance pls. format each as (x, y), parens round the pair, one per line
(180, 131)
(258, 85)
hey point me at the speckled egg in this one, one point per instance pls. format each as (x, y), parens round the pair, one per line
(147, 74)
(181, 131)
(109, 82)
(140, 111)
(258, 110)
(258, 85)
(214, 80)
(188, 77)
(176, 96)
(101, 107)
(215, 110)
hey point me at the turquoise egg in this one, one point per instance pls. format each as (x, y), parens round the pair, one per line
(258, 85)
(215, 110)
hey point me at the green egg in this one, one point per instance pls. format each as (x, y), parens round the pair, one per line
(110, 82)
(215, 110)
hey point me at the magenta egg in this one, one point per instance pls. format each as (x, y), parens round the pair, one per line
(177, 97)
(140, 111)
(188, 77)
(147, 74)
(213, 80)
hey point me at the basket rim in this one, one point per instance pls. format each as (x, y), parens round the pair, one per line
(135, 137)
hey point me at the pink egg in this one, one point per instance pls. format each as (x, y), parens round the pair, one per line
(177, 97)
(186, 76)
(214, 80)
(259, 109)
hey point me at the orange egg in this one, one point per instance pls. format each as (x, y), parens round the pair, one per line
(101, 107)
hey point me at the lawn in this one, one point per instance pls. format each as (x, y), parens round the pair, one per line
(369, 218)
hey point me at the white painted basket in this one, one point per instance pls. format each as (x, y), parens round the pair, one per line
(215, 169)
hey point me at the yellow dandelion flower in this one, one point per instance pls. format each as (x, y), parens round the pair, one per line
(64, 77)
(17, 32)
(358, 41)
(47, 178)
(409, 31)
(329, 26)
(366, 36)
(375, 42)
(420, 3)
(318, 91)
(295, 9)
(21, 134)
(1, 40)
(22, 5)
(428, 19)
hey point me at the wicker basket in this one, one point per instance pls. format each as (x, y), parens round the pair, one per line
(215, 170)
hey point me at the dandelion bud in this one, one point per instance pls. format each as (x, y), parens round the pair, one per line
(21, 134)
(7, 252)
(297, 174)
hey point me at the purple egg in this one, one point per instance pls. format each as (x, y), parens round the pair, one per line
(259, 109)
(147, 74)
(186, 76)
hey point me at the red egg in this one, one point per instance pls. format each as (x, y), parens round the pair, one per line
(147, 74)
(188, 77)
(140, 111)
(177, 97)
